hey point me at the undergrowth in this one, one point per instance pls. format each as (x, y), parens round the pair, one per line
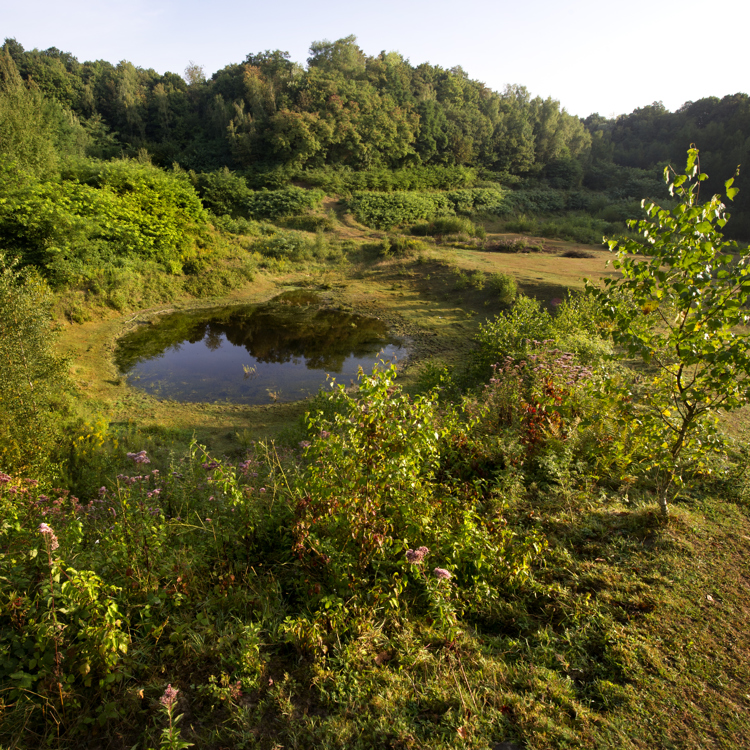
(417, 571)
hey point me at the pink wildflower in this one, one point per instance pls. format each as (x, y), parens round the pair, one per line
(442, 574)
(47, 531)
(170, 696)
(140, 457)
(415, 556)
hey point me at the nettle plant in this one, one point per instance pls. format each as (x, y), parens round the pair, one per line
(680, 304)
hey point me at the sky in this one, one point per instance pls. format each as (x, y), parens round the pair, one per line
(590, 55)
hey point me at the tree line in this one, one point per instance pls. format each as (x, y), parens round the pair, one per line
(270, 118)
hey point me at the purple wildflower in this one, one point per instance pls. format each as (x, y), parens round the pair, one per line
(140, 457)
(4, 478)
(47, 531)
(102, 491)
(170, 696)
(442, 574)
(415, 556)
(304, 444)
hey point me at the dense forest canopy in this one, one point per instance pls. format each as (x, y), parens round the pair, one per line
(270, 117)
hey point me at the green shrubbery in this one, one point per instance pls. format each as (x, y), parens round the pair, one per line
(226, 193)
(449, 225)
(383, 515)
(504, 287)
(343, 181)
(386, 210)
(103, 214)
(581, 228)
(33, 380)
(273, 204)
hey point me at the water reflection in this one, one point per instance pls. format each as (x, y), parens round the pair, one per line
(252, 354)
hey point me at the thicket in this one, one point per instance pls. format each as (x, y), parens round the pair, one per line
(33, 379)
(344, 181)
(386, 210)
(226, 193)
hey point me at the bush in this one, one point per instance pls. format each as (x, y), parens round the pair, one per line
(274, 204)
(223, 192)
(448, 225)
(511, 333)
(536, 201)
(522, 224)
(399, 245)
(32, 378)
(383, 211)
(310, 223)
(386, 210)
(242, 226)
(394, 452)
(504, 287)
(104, 213)
(291, 245)
(345, 181)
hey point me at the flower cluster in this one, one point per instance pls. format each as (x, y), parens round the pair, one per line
(170, 696)
(50, 534)
(442, 574)
(139, 458)
(563, 366)
(415, 556)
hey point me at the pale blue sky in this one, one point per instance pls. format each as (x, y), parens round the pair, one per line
(591, 55)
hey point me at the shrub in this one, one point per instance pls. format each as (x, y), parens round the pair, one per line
(521, 224)
(310, 223)
(384, 211)
(223, 192)
(104, 213)
(398, 244)
(352, 537)
(32, 377)
(576, 254)
(504, 287)
(344, 181)
(511, 333)
(291, 245)
(274, 204)
(448, 225)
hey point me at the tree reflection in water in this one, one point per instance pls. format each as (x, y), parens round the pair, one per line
(290, 347)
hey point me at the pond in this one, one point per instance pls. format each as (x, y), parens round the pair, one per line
(283, 350)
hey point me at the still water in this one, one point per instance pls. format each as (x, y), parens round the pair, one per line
(253, 354)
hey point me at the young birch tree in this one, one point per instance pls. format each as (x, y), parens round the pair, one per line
(681, 305)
